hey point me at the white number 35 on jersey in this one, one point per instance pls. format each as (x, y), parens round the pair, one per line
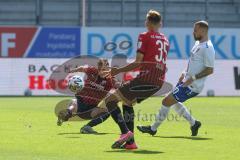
(162, 50)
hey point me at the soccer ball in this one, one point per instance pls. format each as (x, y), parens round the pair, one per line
(75, 83)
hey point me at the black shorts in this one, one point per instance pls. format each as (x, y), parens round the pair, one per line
(137, 91)
(88, 112)
(83, 107)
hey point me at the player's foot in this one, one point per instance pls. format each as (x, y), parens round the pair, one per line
(59, 122)
(123, 138)
(63, 116)
(131, 146)
(87, 130)
(195, 128)
(146, 129)
(128, 146)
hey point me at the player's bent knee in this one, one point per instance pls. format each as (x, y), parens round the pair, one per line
(169, 100)
(97, 112)
(103, 103)
(111, 98)
(164, 101)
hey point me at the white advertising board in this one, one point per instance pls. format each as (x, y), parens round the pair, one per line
(20, 74)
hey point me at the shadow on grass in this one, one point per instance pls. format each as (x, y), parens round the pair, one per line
(143, 151)
(78, 133)
(73, 137)
(185, 137)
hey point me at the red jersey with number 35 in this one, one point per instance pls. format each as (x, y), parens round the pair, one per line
(154, 46)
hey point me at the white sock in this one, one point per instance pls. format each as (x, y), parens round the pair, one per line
(161, 116)
(183, 111)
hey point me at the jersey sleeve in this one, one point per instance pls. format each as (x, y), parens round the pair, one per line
(142, 43)
(209, 56)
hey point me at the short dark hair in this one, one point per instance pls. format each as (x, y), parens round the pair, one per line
(202, 24)
(153, 16)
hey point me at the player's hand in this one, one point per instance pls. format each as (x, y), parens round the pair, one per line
(181, 78)
(188, 82)
(105, 73)
(115, 71)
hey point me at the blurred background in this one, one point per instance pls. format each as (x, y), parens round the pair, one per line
(36, 36)
(128, 13)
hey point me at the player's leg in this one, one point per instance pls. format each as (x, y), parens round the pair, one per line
(111, 103)
(180, 94)
(98, 120)
(92, 112)
(84, 111)
(88, 128)
(183, 111)
(136, 92)
(128, 114)
(125, 133)
(167, 102)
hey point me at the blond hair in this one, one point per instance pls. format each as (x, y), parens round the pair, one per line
(153, 16)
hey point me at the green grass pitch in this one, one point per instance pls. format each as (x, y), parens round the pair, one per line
(28, 131)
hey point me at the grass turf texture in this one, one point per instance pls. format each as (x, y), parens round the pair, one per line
(28, 131)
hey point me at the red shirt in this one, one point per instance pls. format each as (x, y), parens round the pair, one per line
(154, 46)
(95, 88)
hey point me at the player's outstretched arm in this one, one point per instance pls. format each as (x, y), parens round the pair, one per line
(78, 69)
(129, 67)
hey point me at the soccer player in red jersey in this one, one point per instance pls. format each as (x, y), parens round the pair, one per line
(151, 57)
(97, 86)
